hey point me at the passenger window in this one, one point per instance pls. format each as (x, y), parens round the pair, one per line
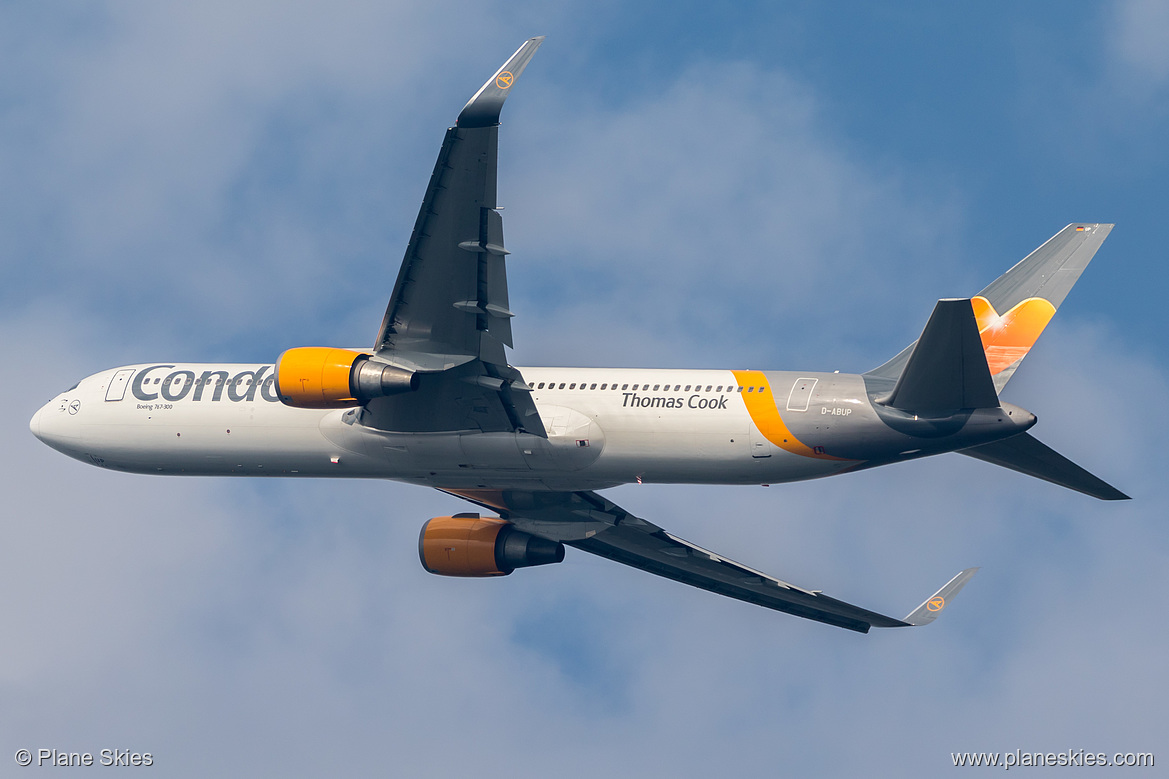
(687, 388)
(603, 386)
(572, 386)
(708, 388)
(655, 386)
(541, 386)
(561, 385)
(624, 386)
(750, 389)
(593, 386)
(740, 389)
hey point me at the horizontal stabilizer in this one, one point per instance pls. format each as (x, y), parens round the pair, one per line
(929, 611)
(947, 369)
(1026, 454)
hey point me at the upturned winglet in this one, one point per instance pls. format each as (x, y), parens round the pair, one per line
(483, 109)
(928, 611)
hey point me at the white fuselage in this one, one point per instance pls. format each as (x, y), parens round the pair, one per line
(605, 427)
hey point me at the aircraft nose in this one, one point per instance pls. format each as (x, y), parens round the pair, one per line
(34, 424)
(51, 424)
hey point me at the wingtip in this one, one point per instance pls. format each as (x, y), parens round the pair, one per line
(929, 610)
(484, 107)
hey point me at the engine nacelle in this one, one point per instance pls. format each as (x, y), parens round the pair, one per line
(470, 545)
(322, 377)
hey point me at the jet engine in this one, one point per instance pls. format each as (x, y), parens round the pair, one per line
(321, 377)
(470, 545)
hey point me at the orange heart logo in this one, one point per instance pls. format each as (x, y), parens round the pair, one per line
(1006, 338)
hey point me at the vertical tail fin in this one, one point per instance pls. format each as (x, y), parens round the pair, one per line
(1015, 308)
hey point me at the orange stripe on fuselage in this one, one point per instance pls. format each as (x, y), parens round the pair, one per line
(1007, 338)
(765, 414)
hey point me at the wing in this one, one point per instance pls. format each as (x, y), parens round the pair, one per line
(448, 316)
(590, 522)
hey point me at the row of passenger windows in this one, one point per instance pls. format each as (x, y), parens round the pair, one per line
(646, 388)
(553, 385)
(238, 382)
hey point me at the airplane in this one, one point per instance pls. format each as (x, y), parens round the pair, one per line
(435, 402)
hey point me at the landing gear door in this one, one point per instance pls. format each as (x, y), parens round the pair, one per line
(117, 388)
(801, 393)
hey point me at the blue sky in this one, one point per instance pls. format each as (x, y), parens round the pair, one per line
(776, 185)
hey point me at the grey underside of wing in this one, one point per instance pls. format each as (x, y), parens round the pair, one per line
(435, 306)
(1049, 272)
(590, 522)
(448, 315)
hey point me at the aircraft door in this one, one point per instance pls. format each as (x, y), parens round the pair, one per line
(117, 388)
(801, 393)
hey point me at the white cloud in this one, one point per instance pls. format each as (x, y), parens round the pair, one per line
(721, 206)
(213, 164)
(1139, 29)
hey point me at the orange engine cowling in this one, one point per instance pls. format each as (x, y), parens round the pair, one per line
(470, 545)
(322, 377)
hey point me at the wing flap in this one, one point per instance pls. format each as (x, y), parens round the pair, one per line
(475, 396)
